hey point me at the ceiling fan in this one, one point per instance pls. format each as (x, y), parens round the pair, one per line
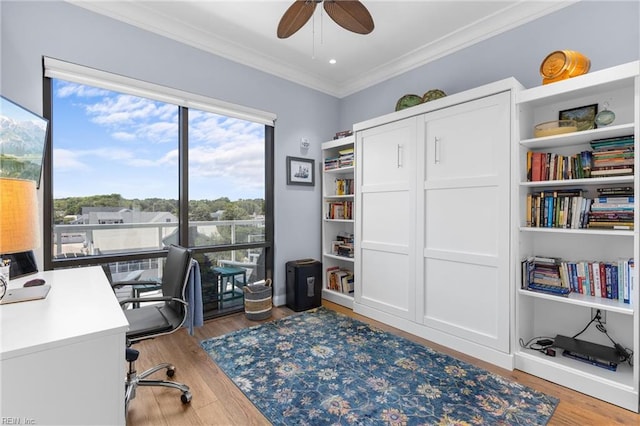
(349, 14)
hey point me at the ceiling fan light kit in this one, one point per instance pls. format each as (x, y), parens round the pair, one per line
(349, 14)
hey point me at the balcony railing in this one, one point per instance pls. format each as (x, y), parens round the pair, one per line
(94, 239)
(125, 238)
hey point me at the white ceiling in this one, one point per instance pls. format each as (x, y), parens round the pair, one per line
(407, 34)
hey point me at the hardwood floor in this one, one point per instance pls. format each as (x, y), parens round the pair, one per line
(217, 401)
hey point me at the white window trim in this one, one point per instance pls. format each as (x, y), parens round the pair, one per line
(55, 68)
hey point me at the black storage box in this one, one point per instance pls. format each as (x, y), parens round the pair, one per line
(304, 284)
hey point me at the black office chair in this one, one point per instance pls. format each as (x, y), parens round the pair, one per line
(150, 321)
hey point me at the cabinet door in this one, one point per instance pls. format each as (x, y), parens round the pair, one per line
(385, 217)
(464, 179)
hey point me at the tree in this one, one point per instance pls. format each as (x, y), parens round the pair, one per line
(234, 212)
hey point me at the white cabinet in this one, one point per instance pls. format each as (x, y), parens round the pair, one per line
(338, 193)
(385, 217)
(463, 176)
(433, 222)
(542, 315)
(62, 358)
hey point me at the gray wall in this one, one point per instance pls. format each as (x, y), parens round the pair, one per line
(607, 32)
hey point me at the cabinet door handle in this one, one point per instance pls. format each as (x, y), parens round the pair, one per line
(436, 150)
(399, 156)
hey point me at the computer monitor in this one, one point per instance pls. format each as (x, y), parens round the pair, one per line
(21, 264)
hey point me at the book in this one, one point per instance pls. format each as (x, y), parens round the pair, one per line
(331, 282)
(536, 167)
(549, 289)
(612, 171)
(616, 191)
(624, 270)
(631, 282)
(343, 134)
(347, 281)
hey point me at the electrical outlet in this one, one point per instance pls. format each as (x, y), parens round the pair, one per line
(603, 314)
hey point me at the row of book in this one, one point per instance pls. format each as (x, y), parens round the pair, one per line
(343, 134)
(612, 208)
(543, 166)
(600, 279)
(609, 157)
(339, 210)
(345, 158)
(612, 156)
(343, 245)
(339, 279)
(344, 186)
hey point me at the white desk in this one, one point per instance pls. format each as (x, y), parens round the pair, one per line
(62, 358)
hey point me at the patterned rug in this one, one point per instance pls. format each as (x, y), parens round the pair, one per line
(323, 368)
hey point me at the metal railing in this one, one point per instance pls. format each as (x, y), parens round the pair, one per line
(95, 239)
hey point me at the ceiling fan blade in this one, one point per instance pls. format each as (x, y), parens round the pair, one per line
(295, 17)
(350, 15)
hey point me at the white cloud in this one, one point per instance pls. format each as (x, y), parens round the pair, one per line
(66, 160)
(123, 136)
(65, 89)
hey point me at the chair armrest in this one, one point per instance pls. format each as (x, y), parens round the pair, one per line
(152, 299)
(118, 284)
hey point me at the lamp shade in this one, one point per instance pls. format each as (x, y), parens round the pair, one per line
(19, 227)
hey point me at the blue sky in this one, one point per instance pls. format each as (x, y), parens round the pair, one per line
(106, 142)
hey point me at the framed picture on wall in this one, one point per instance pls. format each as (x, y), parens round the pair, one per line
(22, 142)
(300, 171)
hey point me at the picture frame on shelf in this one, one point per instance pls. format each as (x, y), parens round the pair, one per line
(585, 116)
(300, 171)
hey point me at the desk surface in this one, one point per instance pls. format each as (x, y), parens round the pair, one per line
(80, 305)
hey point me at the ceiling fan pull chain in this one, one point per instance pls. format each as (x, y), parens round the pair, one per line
(321, 26)
(313, 36)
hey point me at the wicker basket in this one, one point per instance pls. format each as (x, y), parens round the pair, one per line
(257, 300)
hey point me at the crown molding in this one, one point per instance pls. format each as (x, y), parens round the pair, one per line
(140, 15)
(503, 21)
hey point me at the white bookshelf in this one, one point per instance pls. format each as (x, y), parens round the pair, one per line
(332, 226)
(542, 315)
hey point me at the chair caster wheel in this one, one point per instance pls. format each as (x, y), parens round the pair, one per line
(171, 371)
(185, 397)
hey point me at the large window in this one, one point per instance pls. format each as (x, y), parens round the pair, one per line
(130, 174)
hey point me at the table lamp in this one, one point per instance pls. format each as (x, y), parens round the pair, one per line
(19, 227)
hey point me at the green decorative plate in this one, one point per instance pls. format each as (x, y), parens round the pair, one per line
(433, 94)
(408, 101)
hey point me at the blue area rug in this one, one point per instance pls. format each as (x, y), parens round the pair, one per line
(324, 368)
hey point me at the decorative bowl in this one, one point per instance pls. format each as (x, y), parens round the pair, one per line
(432, 95)
(408, 101)
(555, 127)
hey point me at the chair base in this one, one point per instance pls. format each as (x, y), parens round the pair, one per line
(134, 380)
